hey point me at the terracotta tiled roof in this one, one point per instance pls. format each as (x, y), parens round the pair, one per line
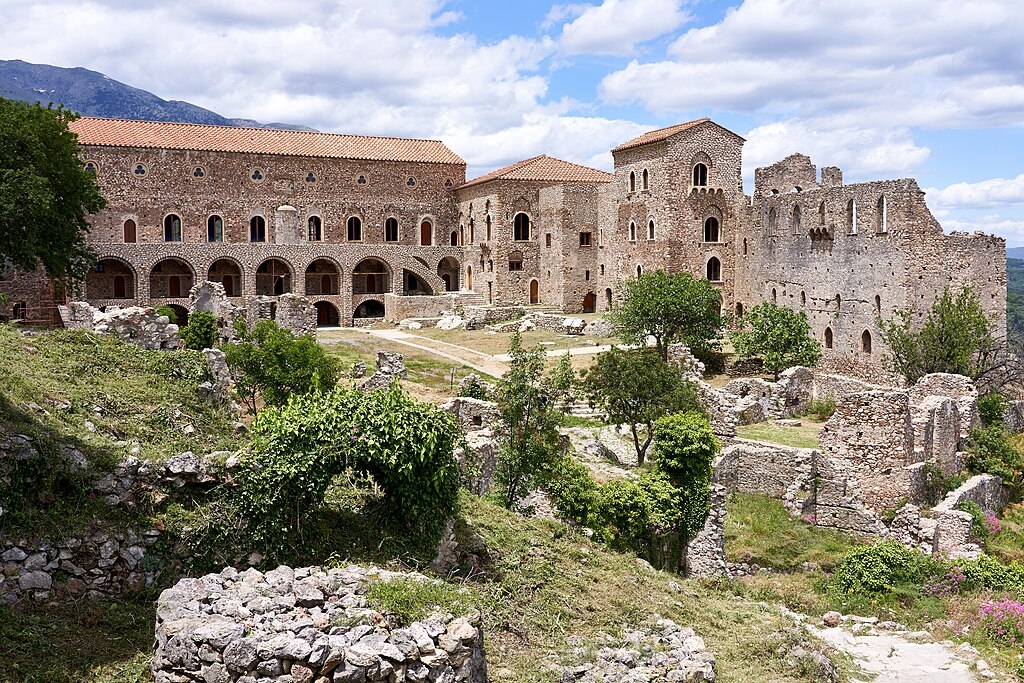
(664, 133)
(546, 169)
(161, 135)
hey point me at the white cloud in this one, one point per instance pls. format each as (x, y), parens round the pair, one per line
(884, 63)
(996, 192)
(615, 27)
(1010, 229)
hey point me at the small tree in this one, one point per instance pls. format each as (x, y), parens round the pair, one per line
(201, 331)
(779, 335)
(956, 337)
(685, 448)
(529, 422)
(671, 308)
(270, 363)
(636, 387)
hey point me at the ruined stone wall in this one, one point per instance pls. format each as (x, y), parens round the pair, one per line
(303, 625)
(30, 297)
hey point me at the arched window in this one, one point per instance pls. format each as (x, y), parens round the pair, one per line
(775, 295)
(644, 180)
(865, 342)
(632, 181)
(828, 337)
(315, 233)
(632, 231)
(851, 216)
(257, 229)
(453, 239)
(796, 218)
(521, 227)
(515, 260)
(355, 229)
(772, 218)
(650, 229)
(700, 175)
(881, 220)
(714, 269)
(391, 230)
(214, 229)
(639, 270)
(172, 228)
(130, 232)
(426, 234)
(711, 232)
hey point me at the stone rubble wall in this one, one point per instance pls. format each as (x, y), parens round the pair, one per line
(389, 368)
(478, 459)
(303, 625)
(545, 321)
(290, 311)
(478, 317)
(705, 553)
(210, 297)
(135, 325)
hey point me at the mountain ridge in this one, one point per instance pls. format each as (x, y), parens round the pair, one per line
(92, 93)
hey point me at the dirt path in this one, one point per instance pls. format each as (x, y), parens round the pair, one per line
(494, 365)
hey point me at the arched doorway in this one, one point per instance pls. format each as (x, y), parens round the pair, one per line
(170, 278)
(590, 302)
(273, 278)
(426, 234)
(371, 276)
(608, 298)
(469, 277)
(323, 277)
(534, 292)
(369, 309)
(448, 270)
(326, 314)
(110, 279)
(227, 273)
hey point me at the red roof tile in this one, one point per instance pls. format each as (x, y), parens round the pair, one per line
(191, 136)
(665, 133)
(545, 169)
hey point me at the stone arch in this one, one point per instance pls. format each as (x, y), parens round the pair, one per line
(274, 277)
(327, 314)
(700, 165)
(534, 292)
(228, 272)
(257, 227)
(371, 308)
(323, 276)
(413, 284)
(180, 314)
(712, 229)
(772, 221)
(111, 278)
(171, 278)
(371, 276)
(448, 271)
(521, 205)
(865, 342)
(828, 338)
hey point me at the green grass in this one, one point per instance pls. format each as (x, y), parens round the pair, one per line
(85, 642)
(805, 436)
(55, 382)
(760, 530)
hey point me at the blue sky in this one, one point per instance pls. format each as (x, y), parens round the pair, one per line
(932, 89)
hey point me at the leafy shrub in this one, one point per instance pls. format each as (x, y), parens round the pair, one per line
(169, 312)
(572, 489)
(201, 331)
(474, 388)
(991, 450)
(409, 599)
(881, 569)
(622, 512)
(990, 408)
(270, 363)
(935, 484)
(405, 445)
(821, 409)
(685, 448)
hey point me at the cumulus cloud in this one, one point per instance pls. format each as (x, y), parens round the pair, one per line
(880, 62)
(615, 27)
(992, 193)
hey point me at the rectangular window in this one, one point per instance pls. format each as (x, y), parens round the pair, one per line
(584, 239)
(547, 240)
